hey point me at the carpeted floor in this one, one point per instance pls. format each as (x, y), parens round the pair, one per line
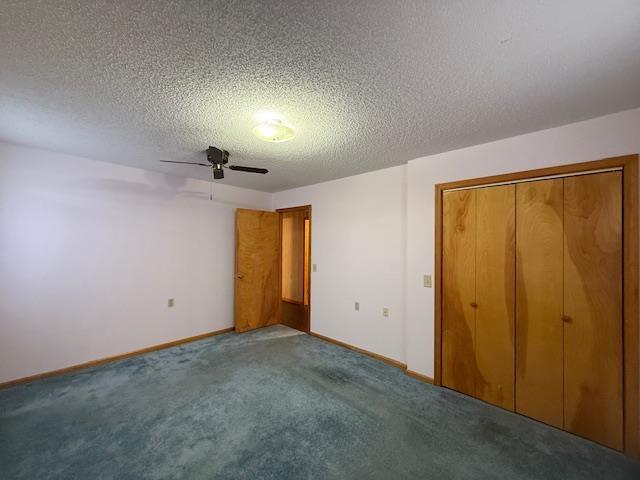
(275, 404)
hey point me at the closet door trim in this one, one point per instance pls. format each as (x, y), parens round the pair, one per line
(631, 310)
(536, 179)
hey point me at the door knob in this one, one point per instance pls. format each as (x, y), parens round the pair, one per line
(566, 318)
(239, 275)
(474, 304)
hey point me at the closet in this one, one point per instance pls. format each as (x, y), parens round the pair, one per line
(532, 299)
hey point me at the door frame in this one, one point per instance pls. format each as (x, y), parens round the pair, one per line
(306, 208)
(630, 265)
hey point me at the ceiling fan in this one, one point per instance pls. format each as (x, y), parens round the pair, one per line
(218, 160)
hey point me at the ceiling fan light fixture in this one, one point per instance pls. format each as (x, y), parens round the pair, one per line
(273, 131)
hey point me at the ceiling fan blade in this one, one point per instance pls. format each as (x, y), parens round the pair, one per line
(248, 169)
(186, 163)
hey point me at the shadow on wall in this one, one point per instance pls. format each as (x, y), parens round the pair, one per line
(154, 186)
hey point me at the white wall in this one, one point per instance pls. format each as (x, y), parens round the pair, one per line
(90, 252)
(359, 221)
(608, 136)
(358, 244)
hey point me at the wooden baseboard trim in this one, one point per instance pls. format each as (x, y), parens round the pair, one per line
(102, 361)
(419, 376)
(388, 360)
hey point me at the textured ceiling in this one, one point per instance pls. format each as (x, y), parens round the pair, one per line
(366, 84)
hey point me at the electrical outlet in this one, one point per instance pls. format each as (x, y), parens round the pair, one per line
(427, 281)
(385, 312)
(314, 267)
(357, 305)
(171, 302)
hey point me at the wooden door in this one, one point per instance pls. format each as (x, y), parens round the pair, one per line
(257, 292)
(459, 368)
(539, 302)
(593, 307)
(495, 290)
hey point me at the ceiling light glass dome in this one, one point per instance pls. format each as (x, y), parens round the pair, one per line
(273, 131)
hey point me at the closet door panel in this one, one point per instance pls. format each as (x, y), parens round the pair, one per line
(458, 280)
(495, 284)
(593, 307)
(539, 286)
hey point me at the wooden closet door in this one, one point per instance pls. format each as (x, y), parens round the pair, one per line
(458, 280)
(495, 289)
(593, 307)
(539, 286)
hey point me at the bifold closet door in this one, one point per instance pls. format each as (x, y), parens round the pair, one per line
(539, 309)
(532, 300)
(593, 307)
(495, 290)
(569, 304)
(478, 289)
(459, 290)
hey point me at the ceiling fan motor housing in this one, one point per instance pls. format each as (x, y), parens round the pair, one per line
(217, 156)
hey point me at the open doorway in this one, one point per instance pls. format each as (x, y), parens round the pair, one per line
(295, 244)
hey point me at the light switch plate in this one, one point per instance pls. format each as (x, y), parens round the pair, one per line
(357, 306)
(171, 302)
(428, 281)
(385, 312)
(314, 268)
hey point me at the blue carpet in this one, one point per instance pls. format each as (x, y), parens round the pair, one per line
(275, 404)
